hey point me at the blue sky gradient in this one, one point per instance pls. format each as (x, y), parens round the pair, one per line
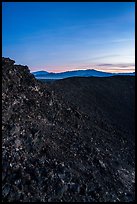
(66, 36)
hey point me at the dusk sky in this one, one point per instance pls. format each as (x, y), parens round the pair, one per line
(58, 37)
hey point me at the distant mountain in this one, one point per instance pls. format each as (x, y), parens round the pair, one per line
(40, 74)
(76, 73)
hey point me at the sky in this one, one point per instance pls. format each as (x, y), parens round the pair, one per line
(63, 36)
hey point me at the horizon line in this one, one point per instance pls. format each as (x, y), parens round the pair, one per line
(119, 70)
(105, 67)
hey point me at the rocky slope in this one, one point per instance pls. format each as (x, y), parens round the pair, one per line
(107, 100)
(54, 151)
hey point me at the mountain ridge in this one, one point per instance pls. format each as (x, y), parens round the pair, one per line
(76, 73)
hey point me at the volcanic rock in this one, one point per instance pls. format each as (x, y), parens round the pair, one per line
(53, 151)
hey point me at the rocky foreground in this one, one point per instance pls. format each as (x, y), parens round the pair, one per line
(54, 151)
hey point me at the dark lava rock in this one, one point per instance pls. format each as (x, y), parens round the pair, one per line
(52, 150)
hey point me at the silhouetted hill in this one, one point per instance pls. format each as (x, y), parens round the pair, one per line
(52, 150)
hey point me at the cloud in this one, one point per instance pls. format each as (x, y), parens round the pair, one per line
(122, 40)
(122, 66)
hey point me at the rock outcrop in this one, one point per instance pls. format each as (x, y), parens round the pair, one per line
(52, 151)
